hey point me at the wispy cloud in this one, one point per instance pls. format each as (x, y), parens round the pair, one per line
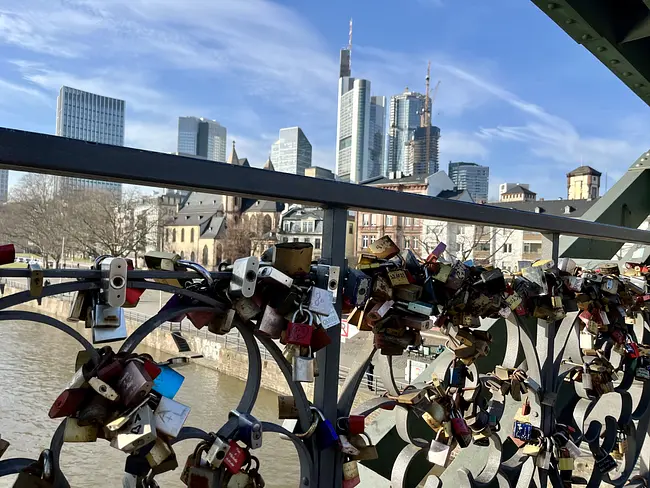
(26, 94)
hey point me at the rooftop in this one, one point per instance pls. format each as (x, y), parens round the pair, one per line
(584, 170)
(519, 189)
(561, 208)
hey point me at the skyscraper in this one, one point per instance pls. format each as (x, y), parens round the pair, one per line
(89, 117)
(415, 162)
(202, 137)
(405, 113)
(471, 177)
(4, 185)
(360, 120)
(291, 153)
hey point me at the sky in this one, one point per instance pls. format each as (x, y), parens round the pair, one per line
(516, 92)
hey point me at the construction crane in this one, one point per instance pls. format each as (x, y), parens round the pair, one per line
(425, 120)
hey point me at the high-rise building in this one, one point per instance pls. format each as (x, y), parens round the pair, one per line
(405, 112)
(583, 183)
(202, 137)
(416, 162)
(377, 136)
(4, 185)
(471, 177)
(291, 153)
(89, 117)
(360, 122)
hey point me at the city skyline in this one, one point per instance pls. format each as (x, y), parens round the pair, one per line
(503, 104)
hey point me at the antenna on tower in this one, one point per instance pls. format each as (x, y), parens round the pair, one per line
(350, 38)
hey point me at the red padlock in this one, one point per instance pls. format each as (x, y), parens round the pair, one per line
(356, 424)
(585, 316)
(68, 402)
(461, 430)
(152, 369)
(235, 457)
(7, 254)
(132, 295)
(319, 339)
(300, 333)
(618, 336)
(200, 319)
(111, 371)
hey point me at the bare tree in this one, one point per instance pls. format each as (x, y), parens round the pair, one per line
(237, 241)
(36, 218)
(106, 222)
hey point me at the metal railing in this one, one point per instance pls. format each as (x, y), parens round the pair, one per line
(27, 151)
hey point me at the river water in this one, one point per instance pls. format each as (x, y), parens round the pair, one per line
(37, 361)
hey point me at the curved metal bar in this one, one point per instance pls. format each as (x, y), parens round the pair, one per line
(403, 417)
(154, 322)
(254, 377)
(48, 291)
(56, 444)
(366, 408)
(187, 433)
(491, 468)
(355, 377)
(14, 465)
(52, 322)
(306, 464)
(385, 365)
(298, 392)
(530, 352)
(403, 462)
(174, 290)
(512, 342)
(569, 325)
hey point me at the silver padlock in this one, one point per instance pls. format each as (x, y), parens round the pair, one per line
(74, 432)
(439, 452)
(103, 388)
(217, 452)
(247, 309)
(303, 369)
(222, 324)
(331, 319)
(609, 285)
(159, 453)
(108, 324)
(170, 416)
(566, 265)
(320, 301)
(113, 290)
(273, 276)
(138, 432)
(244, 277)
(272, 323)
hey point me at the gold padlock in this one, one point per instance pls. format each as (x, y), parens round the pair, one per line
(287, 408)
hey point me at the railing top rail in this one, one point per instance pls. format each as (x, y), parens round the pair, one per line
(29, 151)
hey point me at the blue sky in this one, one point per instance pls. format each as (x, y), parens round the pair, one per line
(516, 92)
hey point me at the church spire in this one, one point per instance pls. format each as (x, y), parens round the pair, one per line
(233, 159)
(269, 164)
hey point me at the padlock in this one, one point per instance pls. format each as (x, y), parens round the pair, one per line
(272, 323)
(287, 408)
(303, 369)
(168, 382)
(346, 447)
(4, 445)
(110, 372)
(381, 288)
(566, 265)
(352, 425)
(330, 320)
(522, 430)
(587, 380)
(164, 261)
(247, 309)
(108, 324)
(221, 323)
(300, 332)
(244, 277)
(457, 374)
(416, 322)
(96, 411)
(437, 252)
(68, 402)
(379, 310)
(103, 389)
(422, 308)
(460, 429)
(272, 277)
(543, 460)
(235, 457)
(134, 384)
(398, 277)
(139, 431)
(357, 287)
(565, 461)
(384, 248)
(536, 275)
(132, 295)
(435, 415)
(159, 453)
(320, 301)
(292, 258)
(439, 452)
(249, 429)
(35, 281)
(367, 450)
(37, 475)
(80, 306)
(587, 340)
(408, 293)
(351, 472)
(604, 461)
(326, 435)
(7, 254)
(121, 421)
(170, 416)
(74, 432)
(621, 442)
(319, 339)
(217, 452)
(113, 281)
(609, 285)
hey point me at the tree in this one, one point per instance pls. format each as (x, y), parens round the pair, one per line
(468, 239)
(237, 241)
(106, 222)
(35, 218)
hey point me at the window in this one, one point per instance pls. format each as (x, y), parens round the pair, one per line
(192, 237)
(317, 243)
(365, 219)
(286, 226)
(389, 220)
(415, 243)
(267, 224)
(285, 239)
(373, 219)
(507, 248)
(484, 246)
(532, 247)
(593, 192)
(166, 235)
(408, 221)
(308, 226)
(174, 235)
(182, 235)
(373, 239)
(204, 261)
(407, 242)
(192, 256)
(365, 240)
(295, 239)
(307, 239)
(351, 229)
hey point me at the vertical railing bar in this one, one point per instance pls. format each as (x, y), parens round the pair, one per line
(329, 461)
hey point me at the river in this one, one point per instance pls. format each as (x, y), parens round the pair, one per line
(37, 361)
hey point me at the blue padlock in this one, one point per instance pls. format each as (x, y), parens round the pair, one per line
(249, 430)
(457, 374)
(522, 430)
(326, 435)
(168, 382)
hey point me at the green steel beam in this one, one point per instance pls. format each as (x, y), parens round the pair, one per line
(617, 32)
(627, 203)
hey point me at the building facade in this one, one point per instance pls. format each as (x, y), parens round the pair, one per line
(377, 137)
(202, 138)
(583, 183)
(416, 162)
(318, 172)
(4, 185)
(471, 177)
(89, 117)
(404, 117)
(417, 234)
(291, 153)
(353, 129)
(509, 192)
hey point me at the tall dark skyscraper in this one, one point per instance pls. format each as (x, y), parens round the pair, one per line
(471, 177)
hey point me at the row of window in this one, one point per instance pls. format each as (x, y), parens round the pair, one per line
(306, 226)
(306, 239)
(375, 219)
(172, 234)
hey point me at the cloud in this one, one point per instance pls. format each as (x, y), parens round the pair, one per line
(26, 94)
(456, 145)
